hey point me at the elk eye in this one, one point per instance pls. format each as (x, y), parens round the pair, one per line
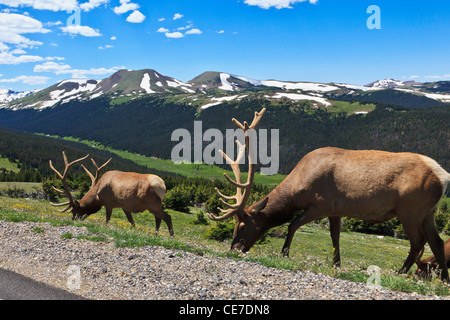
(241, 226)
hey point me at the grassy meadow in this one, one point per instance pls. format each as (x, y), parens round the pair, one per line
(311, 249)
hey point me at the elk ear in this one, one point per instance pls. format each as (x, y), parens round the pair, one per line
(257, 207)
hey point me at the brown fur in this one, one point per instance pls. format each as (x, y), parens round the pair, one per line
(371, 185)
(133, 192)
(426, 267)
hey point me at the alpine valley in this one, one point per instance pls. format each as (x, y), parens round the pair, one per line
(138, 111)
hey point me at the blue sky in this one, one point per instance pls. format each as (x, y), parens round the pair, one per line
(296, 40)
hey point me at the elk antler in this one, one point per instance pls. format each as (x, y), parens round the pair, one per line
(240, 197)
(72, 202)
(97, 171)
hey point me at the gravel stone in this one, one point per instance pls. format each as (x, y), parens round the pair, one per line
(151, 272)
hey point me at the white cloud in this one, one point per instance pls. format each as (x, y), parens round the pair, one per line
(53, 23)
(278, 4)
(438, 77)
(8, 58)
(80, 73)
(184, 28)
(177, 16)
(108, 46)
(51, 66)
(113, 38)
(3, 47)
(81, 30)
(53, 5)
(221, 31)
(136, 17)
(162, 30)
(18, 51)
(60, 68)
(32, 80)
(161, 19)
(174, 35)
(55, 58)
(194, 31)
(13, 26)
(125, 6)
(92, 4)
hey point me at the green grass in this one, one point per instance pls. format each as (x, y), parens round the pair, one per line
(6, 164)
(350, 107)
(26, 186)
(311, 248)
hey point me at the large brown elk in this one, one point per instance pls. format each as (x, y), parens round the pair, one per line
(374, 186)
(133, 192)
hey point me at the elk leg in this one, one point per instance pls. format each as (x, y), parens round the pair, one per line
(157, 223)
(436, 244)
(311, 214)
(129, 217)
(417, 242)
(335, 230)
(160, 214)
(108, 214)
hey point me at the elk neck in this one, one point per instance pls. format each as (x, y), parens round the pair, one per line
(281, 206)
(91, 203)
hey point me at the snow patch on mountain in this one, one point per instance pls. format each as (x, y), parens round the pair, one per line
(305, 86)
(225, 84)
(297, 96)
(145, 83)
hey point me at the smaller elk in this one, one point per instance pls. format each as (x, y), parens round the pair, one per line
(133, 192)
(427, 266)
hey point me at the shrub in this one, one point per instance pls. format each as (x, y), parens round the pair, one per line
(201, 219)
(220, 231)
(177, 199)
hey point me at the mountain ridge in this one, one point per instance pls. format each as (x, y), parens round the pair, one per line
(214, 87)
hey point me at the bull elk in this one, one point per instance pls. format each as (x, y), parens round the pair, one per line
(374, 186)
(133, 192)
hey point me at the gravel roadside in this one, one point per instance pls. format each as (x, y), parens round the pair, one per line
(149, 272)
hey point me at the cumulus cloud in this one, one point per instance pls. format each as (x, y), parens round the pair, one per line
(177, 16)
(51, 66)
(174, 35)
(13, 26)
(278, 4)
(125, 6)
(194, 31)
(52, 5)
(31, 80)
(81, 30)
(136, 17)
(163, 30)
(60, 68)
(9, 58)
(92, 4)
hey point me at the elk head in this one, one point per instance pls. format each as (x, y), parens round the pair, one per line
(87, 205)
(249, 227)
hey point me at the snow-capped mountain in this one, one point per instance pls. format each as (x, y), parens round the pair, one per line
(390, 83)
(213, 88)
(7, 95)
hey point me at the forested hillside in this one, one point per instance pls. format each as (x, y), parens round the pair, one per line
(144, 125)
